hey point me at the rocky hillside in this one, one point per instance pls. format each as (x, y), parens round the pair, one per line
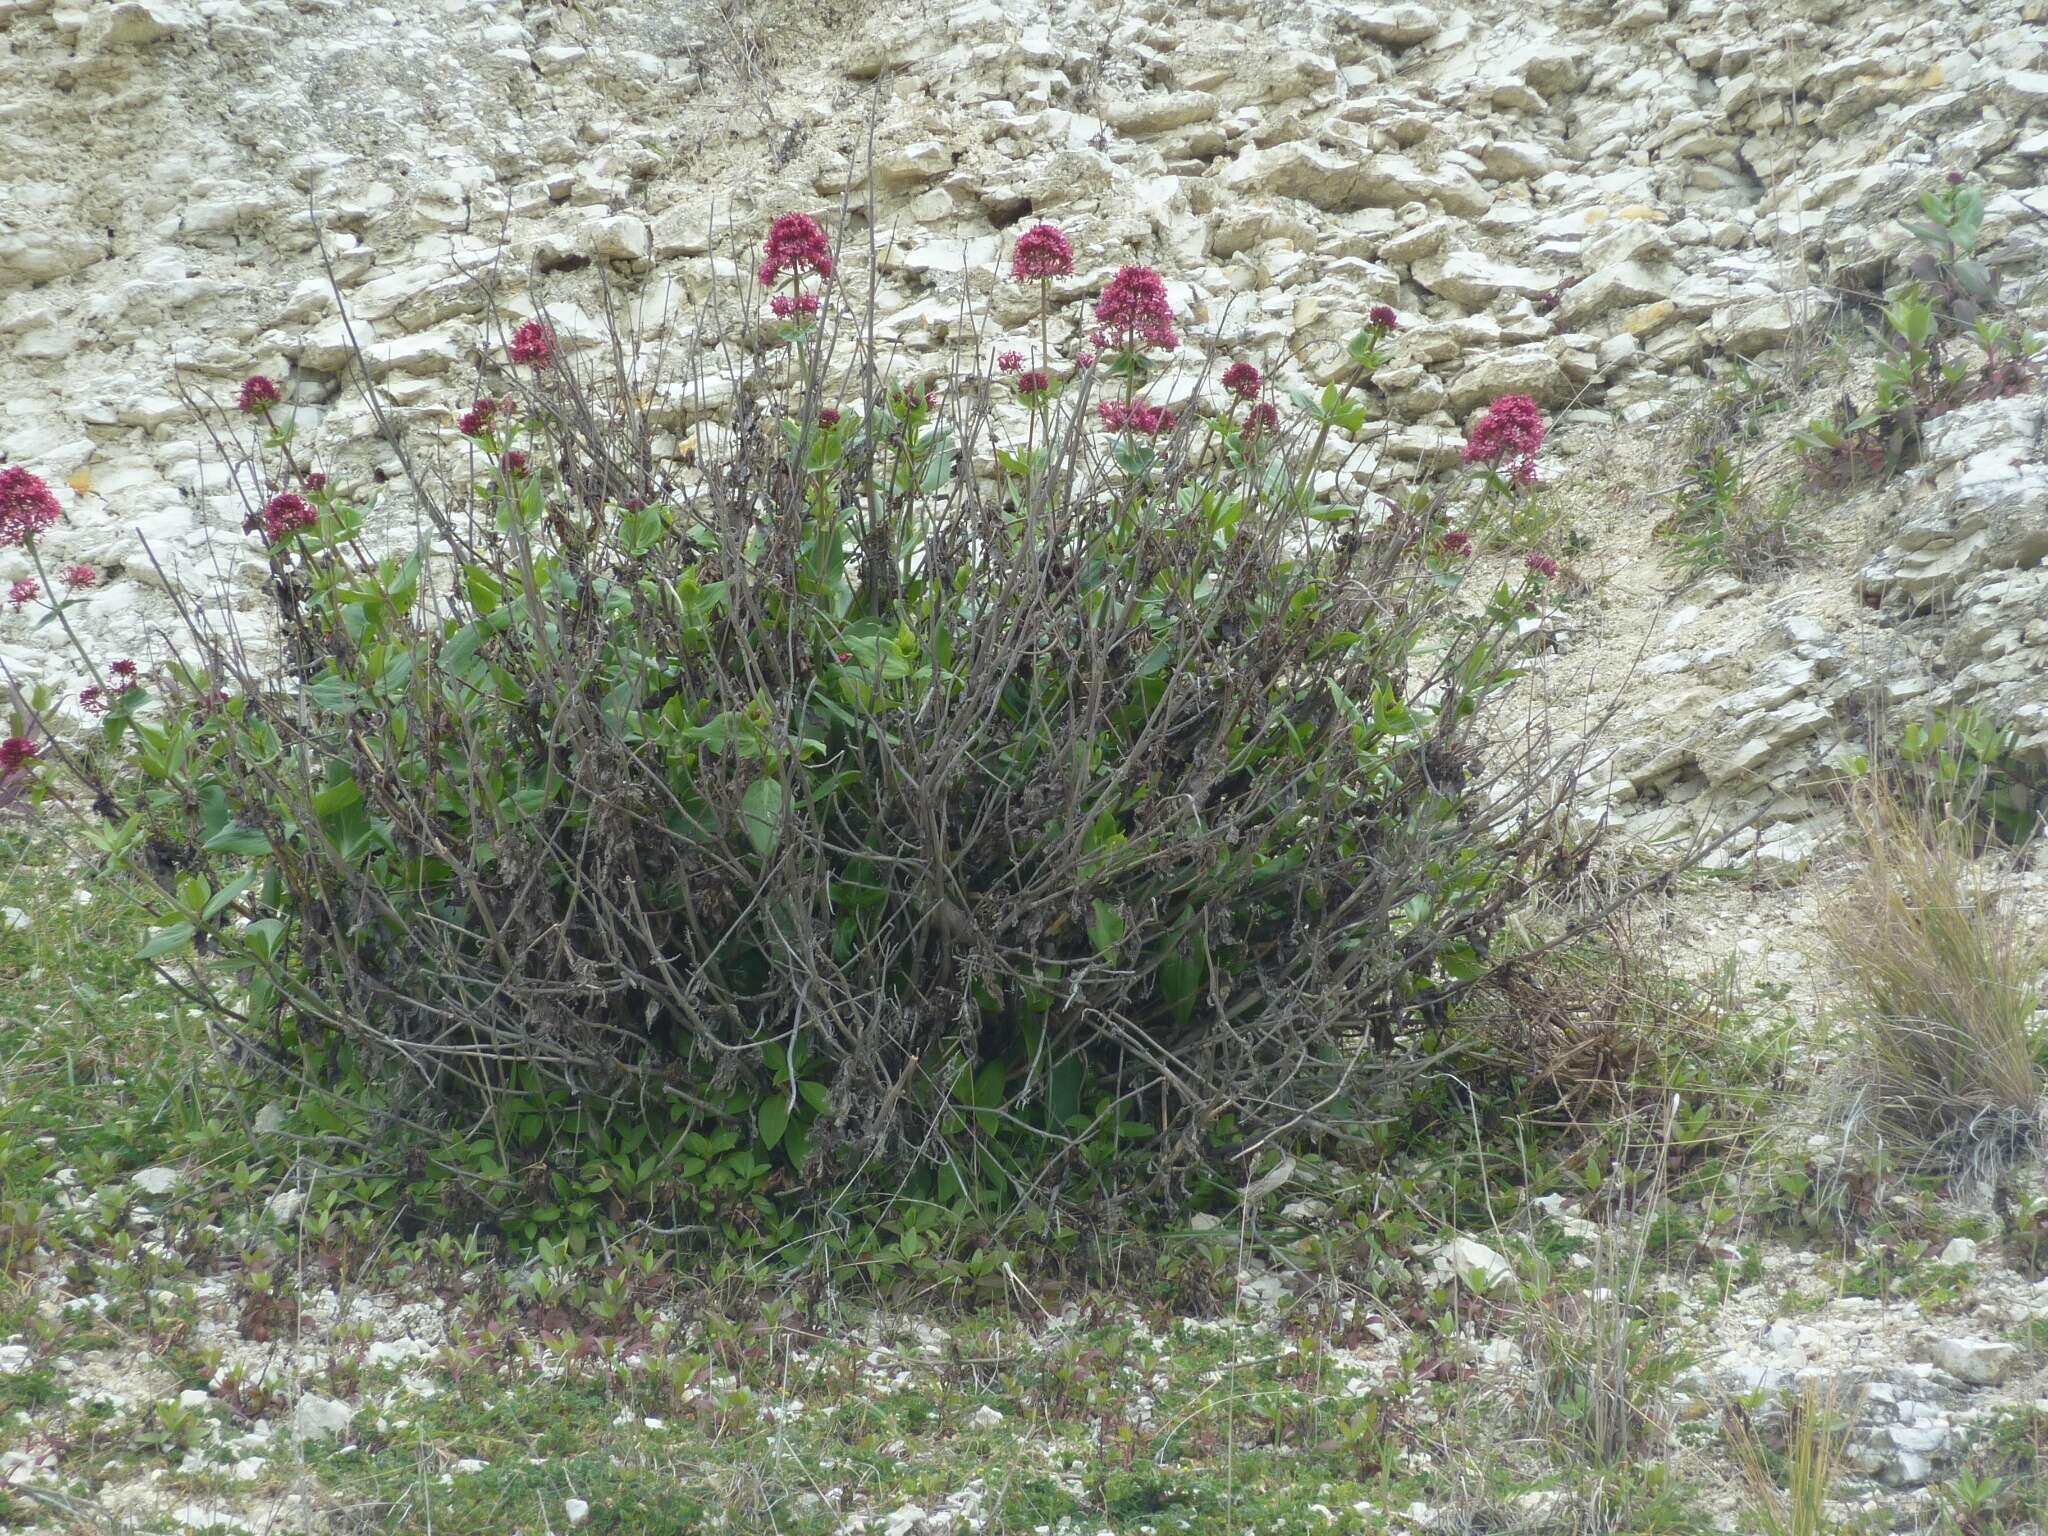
(1616, 208)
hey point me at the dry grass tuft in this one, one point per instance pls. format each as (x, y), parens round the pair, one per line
(1816, 1433)
(1940, 996)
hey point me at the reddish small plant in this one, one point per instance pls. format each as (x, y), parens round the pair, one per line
(1136, 313)
(79, 578)
(285, 514)
(1506, 440)
(796, 244)
(258, 394)
(27, 506)
(532, 345)
(1244, 381)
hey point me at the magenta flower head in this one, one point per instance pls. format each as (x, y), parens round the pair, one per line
(796, 244)
(1261, 418)
(1085, 359)
(1243, 381)
(26, 506)
(79, 577)
(793, 306)
(1383, 318)
(1009, 362)
(828, 417)
(515, 466)
(16, 753)
(1507, 439)
(533, 343)
(1540, 564)
(1042, 252)
(285, 514)
(315, 481)
(1033, 384)
(22, 593)
(1135, 309)
(122, 672)
(476, 421)
(1138, 417)
(259, 394)
(1457, 545)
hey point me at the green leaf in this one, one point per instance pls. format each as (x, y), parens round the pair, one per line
(772, 1119)
(761, 815)
(164, 940)
(1107, 927)
(1180, 980)
(337, 797)
(236, 838)
(227, 897)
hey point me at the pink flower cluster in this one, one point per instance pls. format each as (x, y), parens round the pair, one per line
(23, 592)
(26, 506)
(1540, 564)
(1135, 310)
(1507, 439)
(1009, 362)
(533, 343)
(79, 577)
(1042, 253)
(1243, 380)
(98, 700)
(796, 244)
(1382, 318)
(285, 514)
(474, 422)
(16, 753)
(259, 394)
(792, 306)
(1033, 384)
(1140, 417)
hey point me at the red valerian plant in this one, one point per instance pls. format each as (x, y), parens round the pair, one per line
(793, 306)
(23, 592)
(26, 506)
(1383, 319)
(533, 344)
(259, 393)
(79, 578)
(799, 828)
(1243, 380)
(1507, 439)
(1540, 564)
(1009, 362)
(16, 753)
(1455, 545)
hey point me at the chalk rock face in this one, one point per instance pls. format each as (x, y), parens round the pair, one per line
(1611, 209)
